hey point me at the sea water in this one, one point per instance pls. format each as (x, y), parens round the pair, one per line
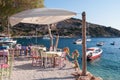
(107, 66)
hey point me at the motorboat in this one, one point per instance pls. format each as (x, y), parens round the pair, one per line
(46, 37)
(7, 40)
(88, 39)
(100, 44)
(93, 53)
(113, 43)
(78, 41)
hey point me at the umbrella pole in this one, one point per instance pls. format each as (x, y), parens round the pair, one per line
(36, 36)
(8, 33)
(51, 37)
(57, 40)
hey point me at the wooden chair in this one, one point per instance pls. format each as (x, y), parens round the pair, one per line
(60, 60)
(48, 59)
(36, 57)
(6, 65)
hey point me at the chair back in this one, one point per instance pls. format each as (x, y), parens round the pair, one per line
(4, 56)
(34, 52)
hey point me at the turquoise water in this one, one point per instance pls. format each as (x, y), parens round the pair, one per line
(107, 67)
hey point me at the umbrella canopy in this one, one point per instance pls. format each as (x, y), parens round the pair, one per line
(41, 16)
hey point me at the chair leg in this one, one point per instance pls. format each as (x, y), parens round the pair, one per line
(1, 73)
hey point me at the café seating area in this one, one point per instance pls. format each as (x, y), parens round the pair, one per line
(39, 56)
(47, 58)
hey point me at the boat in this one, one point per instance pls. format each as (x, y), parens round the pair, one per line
(88, 39)
(113, 43)
(46, 37)
(6, 40)
(78, 41)
(100, 44)
(93, 53)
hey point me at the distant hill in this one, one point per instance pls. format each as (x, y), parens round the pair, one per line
(73, 26)
(70, 27)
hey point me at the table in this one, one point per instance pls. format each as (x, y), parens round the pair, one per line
(39, 47)
(52, 55)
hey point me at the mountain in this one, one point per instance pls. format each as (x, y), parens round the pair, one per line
(70, 27)
(73, 26)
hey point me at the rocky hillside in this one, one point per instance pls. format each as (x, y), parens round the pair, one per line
(70, 27)
(73, 26)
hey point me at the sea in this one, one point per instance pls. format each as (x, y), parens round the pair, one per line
(107, 66)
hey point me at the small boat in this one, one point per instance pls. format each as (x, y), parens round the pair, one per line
(93, 53)
(113, 43)
(78, 41)
(88, 39)
(5, 39)
(100, 44)
(46, 37)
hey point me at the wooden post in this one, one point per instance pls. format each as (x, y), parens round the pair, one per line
(57, 40)
(51, 37)
(57, 37)
(8, 24)
(84, 62)
(36, 35)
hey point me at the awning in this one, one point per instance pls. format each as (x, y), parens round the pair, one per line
(41, 16)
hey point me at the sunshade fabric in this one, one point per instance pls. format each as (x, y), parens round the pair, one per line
(41, 16)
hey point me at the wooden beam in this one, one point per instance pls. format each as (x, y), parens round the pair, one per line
(84, 62)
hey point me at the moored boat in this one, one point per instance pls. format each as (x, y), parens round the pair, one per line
(88, 39)
(5, 39)
(93, 53)
(100, 44)
(113, 43)
(78, 41)
(46, 37)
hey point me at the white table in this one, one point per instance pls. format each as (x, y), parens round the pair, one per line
(50, 54)
(54, 52)
(39, 47)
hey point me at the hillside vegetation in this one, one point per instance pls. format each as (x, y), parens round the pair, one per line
(71, 27)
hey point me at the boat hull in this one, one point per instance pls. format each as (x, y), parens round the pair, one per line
(93, 57)
(93, 53)
(78, 41)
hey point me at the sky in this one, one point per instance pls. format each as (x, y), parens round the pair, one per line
(102, 12)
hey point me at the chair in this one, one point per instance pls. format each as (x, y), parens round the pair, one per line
(6, 65)
(48, 59)
(60, 60)
(3, 62)
(36, 57)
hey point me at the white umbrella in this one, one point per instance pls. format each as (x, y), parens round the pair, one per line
(41, 16)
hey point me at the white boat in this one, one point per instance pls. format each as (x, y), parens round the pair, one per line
(46, 37)
(5, 39)
(93, 53)
(100, 44)
(88, 39)
(78, 41)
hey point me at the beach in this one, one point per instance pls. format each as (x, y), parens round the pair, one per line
(23, 70)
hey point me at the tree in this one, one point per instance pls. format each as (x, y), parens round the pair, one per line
(10, 7)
